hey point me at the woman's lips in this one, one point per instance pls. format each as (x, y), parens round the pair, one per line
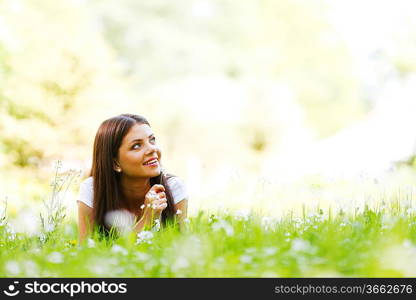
(154, 164)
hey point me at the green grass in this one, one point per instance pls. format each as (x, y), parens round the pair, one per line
(377, 242)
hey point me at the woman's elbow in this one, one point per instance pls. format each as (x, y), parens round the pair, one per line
(85, 222)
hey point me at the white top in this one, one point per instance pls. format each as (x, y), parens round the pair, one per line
(86, 190)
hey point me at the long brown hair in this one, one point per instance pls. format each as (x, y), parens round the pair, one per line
(106, 181)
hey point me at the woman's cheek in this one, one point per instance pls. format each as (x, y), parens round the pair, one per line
(159, 153)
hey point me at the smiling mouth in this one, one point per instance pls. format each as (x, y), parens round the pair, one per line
(152, 163)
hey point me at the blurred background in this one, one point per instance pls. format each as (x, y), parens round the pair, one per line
(262, 104)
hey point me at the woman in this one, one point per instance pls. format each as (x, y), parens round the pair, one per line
(126, 175)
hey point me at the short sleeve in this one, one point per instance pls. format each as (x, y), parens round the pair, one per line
(86, 192)
(178, 189)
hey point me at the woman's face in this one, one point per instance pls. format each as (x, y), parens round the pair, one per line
(137, 148)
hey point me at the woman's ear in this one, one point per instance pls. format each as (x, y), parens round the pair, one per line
(116, 166)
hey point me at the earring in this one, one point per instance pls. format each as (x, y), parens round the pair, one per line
(118, 170)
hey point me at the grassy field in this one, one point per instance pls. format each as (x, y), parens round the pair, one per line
(371, 242)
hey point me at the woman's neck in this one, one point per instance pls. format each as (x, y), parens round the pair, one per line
(134, 190)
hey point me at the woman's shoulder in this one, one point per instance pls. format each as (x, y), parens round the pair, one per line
(87, 184)
(88, 181)
(176, 183)
(174, 180)
(86, 192)
(178, 188)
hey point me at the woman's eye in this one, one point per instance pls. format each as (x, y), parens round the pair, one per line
(138, 145)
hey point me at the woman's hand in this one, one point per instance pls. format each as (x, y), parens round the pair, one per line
(155, 201)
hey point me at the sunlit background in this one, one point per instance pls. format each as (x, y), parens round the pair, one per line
(256, 104)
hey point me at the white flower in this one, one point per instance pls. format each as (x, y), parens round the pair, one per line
(142, 206)
(26, 222)
(12, 267)
(55, 257)
(242, 214)
(270, 250)
(266, 222)
(251, 250)
(11, 233)
(300, 245)
(222, 224)
(156, 227)
(119, 249)
(410, 210)
(219, 261)
(49, 227)
(144, 237)
(186, 220)
(246, 259)
(90, 243)
(102, 266)
(270, 274)
(42, 237)
(35, 250)
(180, 263)
(178, 212)
(69, 230)
(122, 220)
(31, 268)
(99, 269)
(142, 256)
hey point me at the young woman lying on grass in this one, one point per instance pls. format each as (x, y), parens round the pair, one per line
(126, 178)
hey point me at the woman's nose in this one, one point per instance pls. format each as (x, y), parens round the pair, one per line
(151, 148)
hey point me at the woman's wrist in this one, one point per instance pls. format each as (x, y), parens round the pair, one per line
(148, 218)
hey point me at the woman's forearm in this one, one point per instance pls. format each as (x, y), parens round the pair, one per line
(145, 222)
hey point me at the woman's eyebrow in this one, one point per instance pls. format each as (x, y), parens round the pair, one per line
(139, 140)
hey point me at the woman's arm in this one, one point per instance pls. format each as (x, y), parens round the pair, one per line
(146, 220)
(85, 221)
(154, 204)
(149, 216)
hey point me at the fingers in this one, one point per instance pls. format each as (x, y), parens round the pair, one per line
(159, 207)
(159, 200)
(152, 194)
(156, 200)
(157, 188)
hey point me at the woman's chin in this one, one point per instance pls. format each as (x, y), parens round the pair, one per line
(151, 171)
(156, 172)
